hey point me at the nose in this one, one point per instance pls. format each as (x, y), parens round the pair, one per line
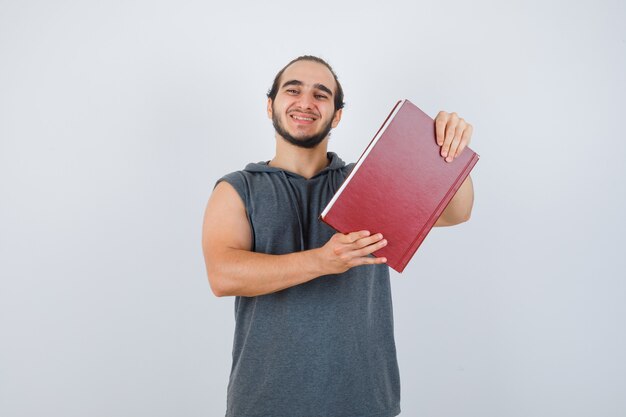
(306, 100)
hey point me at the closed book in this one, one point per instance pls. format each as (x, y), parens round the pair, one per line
(400, 185)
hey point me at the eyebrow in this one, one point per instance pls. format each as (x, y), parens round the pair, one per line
(300, 83)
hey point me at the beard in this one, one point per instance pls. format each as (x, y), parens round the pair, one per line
(307, 142)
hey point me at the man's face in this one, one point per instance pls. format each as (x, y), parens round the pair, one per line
(303, 112)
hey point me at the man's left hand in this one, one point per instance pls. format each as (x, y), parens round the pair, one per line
(453, 134)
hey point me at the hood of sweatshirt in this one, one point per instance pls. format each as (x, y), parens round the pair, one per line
(335, 163)
(286, 177)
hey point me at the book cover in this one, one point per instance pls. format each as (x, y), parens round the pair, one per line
(400, 185)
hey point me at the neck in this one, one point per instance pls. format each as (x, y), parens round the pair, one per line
(302, 161)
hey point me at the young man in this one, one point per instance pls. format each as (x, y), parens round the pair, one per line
(314, 326)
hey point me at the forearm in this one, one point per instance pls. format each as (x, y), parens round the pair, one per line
(247, 273)
(459, 209)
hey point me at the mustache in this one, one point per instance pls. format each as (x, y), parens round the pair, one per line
(303, 112)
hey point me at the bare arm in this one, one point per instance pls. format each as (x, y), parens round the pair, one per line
(233, 269)
(459, 209)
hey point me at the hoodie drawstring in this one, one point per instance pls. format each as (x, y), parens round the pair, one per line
(296, 208)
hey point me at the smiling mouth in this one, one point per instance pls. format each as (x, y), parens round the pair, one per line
(303, 118)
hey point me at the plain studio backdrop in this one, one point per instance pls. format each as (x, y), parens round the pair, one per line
(117, 118)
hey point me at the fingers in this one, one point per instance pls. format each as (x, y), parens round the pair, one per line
(357, 240)
(453, 134)
(354, 248)
(452, 121)
(465, 139)
(372, 247)
(366, 246)
(440, 126)
(354, 236)
(454, 145)
(368, 260)
(366, 241)
(346, 242)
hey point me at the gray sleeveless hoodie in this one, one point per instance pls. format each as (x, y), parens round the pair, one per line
(324, 348)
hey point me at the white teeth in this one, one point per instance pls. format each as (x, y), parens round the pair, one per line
(303, 118)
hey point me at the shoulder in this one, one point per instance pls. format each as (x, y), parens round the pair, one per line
(235, 178)
(252, 187)
(230, 197)
(345, 170)
(239, 180)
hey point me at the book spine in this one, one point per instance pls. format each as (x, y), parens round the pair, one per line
(344, 183)
(404, 260)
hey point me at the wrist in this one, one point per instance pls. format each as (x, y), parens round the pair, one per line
(315, 263)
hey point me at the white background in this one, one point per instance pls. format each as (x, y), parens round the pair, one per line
(117, 117)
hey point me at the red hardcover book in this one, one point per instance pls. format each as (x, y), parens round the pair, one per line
(400, 185)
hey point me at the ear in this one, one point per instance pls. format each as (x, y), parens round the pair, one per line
(269, 108)
(336, 118)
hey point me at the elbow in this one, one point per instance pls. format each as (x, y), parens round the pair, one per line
(459, 219)
(463, 219)
(453, 221)
(226, 280)
(467, 216)
(463, 216)
(218, 283)
(217, 290)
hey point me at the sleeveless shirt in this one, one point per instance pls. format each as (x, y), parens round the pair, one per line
(324, 348)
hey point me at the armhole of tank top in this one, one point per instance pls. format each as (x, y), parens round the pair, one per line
(241, 187)
(239, 182)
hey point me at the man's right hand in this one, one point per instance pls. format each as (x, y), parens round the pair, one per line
(345, 251)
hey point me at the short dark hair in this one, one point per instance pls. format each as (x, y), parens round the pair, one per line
(338, 94)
